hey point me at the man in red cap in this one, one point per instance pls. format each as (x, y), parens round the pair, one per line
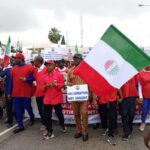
(22, 77)
(53, 81)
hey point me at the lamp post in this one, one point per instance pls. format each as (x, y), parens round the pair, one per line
(142, 5)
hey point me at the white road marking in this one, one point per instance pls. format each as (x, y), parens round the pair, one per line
(7, 130)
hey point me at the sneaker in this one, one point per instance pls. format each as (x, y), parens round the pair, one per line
(45, 132)
(105, 132)
(48, 136)
(142, 127)
(77, 135)
(31, 122)
(42, 128)
(18, 130)
(64, 129)
(125, 137)
(9, 125)
(111, 140)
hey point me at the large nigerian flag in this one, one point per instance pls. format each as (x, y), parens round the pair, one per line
(112, 62)
(7, 53)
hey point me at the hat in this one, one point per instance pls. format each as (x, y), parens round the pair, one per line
(19, 56)
(49, 62)
(78, 56)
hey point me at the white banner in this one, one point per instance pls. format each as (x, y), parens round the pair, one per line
(53, 54)
(92, 111)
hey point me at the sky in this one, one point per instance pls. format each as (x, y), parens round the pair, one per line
(29, 21)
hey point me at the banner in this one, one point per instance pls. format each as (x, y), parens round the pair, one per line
(52, 54)
(92, 111)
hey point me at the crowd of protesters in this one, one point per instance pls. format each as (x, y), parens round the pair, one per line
(45, 81)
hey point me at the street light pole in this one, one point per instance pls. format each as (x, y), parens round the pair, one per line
(142, 5)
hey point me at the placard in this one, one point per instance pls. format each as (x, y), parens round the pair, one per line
(77, 93)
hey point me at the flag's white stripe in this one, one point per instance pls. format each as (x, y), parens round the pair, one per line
(100, 54)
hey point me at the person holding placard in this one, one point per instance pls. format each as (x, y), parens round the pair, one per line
(80, 108)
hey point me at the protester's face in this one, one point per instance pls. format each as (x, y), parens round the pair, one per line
(36, 63)
(13, 62)
(77, 61)
(147, 68)
(50, 67)
(61, 65)
(18, 61)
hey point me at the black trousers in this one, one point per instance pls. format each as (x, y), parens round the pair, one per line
(9, 110)
(39, 102)
(103, 112)
(128, 110)
(108, 115)
(48, 115)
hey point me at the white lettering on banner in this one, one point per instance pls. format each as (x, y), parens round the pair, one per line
(92, 111)
(52, 54)
(77, 93)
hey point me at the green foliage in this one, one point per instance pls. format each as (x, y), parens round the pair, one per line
(54, 35)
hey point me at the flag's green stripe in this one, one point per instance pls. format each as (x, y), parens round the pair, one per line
(7, 51)
(126, 48)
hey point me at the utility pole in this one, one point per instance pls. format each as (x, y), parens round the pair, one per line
(81, 32)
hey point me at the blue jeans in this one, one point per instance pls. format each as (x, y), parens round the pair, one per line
(20, 104)
(145, 109)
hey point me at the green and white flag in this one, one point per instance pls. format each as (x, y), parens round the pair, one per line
(112, 62)
(7, 53)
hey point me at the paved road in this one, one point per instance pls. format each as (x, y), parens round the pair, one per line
(31, 139)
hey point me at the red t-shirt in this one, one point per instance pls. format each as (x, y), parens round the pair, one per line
(54, 95)
(20, 88)
(107, 98)
(144, 78)
(39, 76)
(129, 89)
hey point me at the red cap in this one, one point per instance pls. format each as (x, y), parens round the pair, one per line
(19, 56)
(49, 62)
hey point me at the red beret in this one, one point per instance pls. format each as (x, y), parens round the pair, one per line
(19, 56)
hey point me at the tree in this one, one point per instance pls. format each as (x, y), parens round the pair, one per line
(54, 35)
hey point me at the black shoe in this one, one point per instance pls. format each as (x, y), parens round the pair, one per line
(125, 137)
(85, 137)
(31, 122)
(77, 135)
(18, 130)
(9, 125)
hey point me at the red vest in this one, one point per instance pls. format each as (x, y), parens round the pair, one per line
(130, 88)
(20, 88)
(144, 78)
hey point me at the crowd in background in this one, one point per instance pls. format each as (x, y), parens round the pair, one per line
(45, 80)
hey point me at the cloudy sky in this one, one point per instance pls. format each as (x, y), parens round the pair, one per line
(30, 20)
